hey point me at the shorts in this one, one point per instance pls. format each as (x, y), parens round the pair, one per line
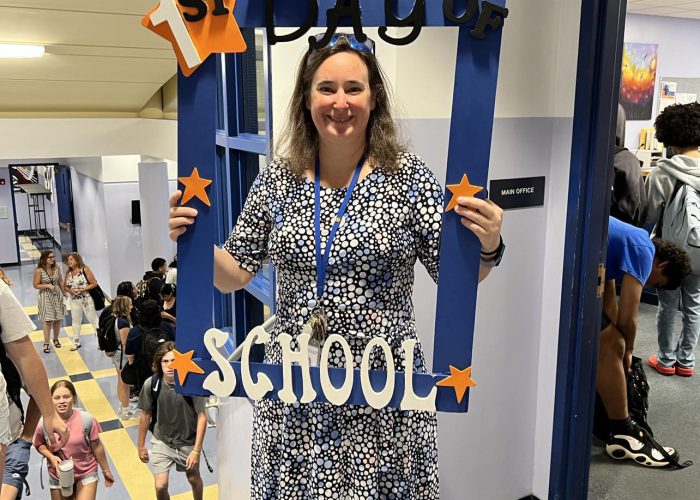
(17, 464)
(163, 457)
(85, 480)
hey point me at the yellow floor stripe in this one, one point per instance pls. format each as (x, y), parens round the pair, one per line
(28, 246)
(210, 493)
(107, 372)
(37, 336)
(135, 475)
(84, 330)
(32, 310)
(94, 400)
(34, 253)
(71, 360)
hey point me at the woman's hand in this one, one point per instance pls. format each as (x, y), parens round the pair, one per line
(109, 478)
(143, 454)
(53, 463)
(192, 460)
(51, 288)
(484, 219)
(180, 217)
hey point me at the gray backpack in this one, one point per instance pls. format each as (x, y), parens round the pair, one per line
(681, 222)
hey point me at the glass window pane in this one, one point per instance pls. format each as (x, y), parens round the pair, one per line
(253, 83)
(220, 101)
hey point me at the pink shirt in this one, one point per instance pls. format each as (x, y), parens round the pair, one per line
(84, 460)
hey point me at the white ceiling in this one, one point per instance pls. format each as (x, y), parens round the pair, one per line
(673, 8)
(99, 59)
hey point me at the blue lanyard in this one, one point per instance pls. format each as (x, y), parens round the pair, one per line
(322, 260)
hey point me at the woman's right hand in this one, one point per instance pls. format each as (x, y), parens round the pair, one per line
(143, 454)
(53, 463)
(180, 217)
(52, 288)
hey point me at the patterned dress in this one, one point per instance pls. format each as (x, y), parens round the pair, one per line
(79, 281)
(51, 306)
(318, 450)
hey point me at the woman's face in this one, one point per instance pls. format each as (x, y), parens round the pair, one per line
(62, 400)
(70, 261)
(340, 100)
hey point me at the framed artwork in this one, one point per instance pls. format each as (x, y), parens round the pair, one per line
(638, 81)
(206, 361)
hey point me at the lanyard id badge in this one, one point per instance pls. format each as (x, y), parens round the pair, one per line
(318, 323)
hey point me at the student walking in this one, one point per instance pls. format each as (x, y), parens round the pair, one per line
(84, 447)
(178, 424)
(52, 310)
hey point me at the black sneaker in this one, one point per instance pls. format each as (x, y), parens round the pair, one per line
(639, 446)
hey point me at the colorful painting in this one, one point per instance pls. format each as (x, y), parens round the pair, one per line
(639, 62)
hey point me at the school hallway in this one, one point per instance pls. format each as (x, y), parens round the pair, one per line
(95, 381)
(674, 416)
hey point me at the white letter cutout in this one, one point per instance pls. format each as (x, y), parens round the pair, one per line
(379, 399)
(286, 394)
(334, 395)
(410, 401)
(254, 390)
(167, 12)
(219, 386)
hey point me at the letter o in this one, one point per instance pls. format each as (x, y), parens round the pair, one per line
(335, 395)
(379, 399)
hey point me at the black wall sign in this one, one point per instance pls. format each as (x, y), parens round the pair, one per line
(517, 193)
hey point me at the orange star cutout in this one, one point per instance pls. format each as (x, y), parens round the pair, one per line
(195, 186)
(184, 365)
(460, 380)
(193, 41)
(464, 188)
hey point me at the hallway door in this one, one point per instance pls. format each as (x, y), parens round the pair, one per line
(64, 198)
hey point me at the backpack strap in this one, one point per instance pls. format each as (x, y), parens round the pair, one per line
(86, 419)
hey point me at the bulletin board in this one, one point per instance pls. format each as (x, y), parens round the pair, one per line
(682, 92)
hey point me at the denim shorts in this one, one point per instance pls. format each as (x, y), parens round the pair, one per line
(17, 464)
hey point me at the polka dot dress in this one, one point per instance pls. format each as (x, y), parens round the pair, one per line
(318, 450)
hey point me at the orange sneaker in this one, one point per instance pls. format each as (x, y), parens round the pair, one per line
(653, 361)
(684, 371)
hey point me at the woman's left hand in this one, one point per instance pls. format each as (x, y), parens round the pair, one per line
(483, 218)
(109, 478)
(192, 460)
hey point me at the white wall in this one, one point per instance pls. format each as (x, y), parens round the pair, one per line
(8, 235)
(678, 41)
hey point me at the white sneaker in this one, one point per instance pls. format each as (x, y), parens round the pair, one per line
(126, 414)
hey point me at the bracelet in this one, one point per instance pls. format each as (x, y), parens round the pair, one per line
(500, 242)
(195, 451)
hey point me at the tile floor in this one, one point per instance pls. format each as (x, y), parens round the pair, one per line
(95, 381)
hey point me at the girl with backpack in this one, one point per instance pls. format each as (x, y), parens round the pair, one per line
(675, 184)
(84, 447)
(121, 310)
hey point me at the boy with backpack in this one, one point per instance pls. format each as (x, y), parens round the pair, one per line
(634, 261)
(674, 204)
(177, 422)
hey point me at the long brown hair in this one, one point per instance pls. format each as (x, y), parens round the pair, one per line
(162, 350)
(120, 307)
(5, 278)
(44, 257)
(78, 259)
(298, 143)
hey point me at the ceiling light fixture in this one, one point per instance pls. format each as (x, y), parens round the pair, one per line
(20, 51)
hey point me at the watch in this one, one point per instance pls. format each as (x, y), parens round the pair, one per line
(497, 256)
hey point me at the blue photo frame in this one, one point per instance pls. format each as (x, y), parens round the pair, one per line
(469, 151)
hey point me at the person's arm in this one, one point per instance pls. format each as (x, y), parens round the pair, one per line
(610, 301)
(168, 317)
(37, 281)
(483, 218)
(31, 368)
(229, 276)
(123, 335)
(144, 422)
(52, 459)
(99, 450)
(630, 296)
(193, 457)
(92, 281)
(659, 187)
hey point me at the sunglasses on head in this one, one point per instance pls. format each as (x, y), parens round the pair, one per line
(367, 46)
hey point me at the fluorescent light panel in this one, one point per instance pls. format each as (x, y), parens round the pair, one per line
(20, 51)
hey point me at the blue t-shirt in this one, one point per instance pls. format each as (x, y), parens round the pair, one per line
(630, 251)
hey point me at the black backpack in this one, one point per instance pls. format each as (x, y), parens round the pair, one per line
(12, 378)
(151, 340)
(106, 331)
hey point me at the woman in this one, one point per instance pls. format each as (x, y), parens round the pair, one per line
(121, 309)
(5, 278)
(341, 145)
(167, 295)
(84, 447)
(79, 279)
(47, 279)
